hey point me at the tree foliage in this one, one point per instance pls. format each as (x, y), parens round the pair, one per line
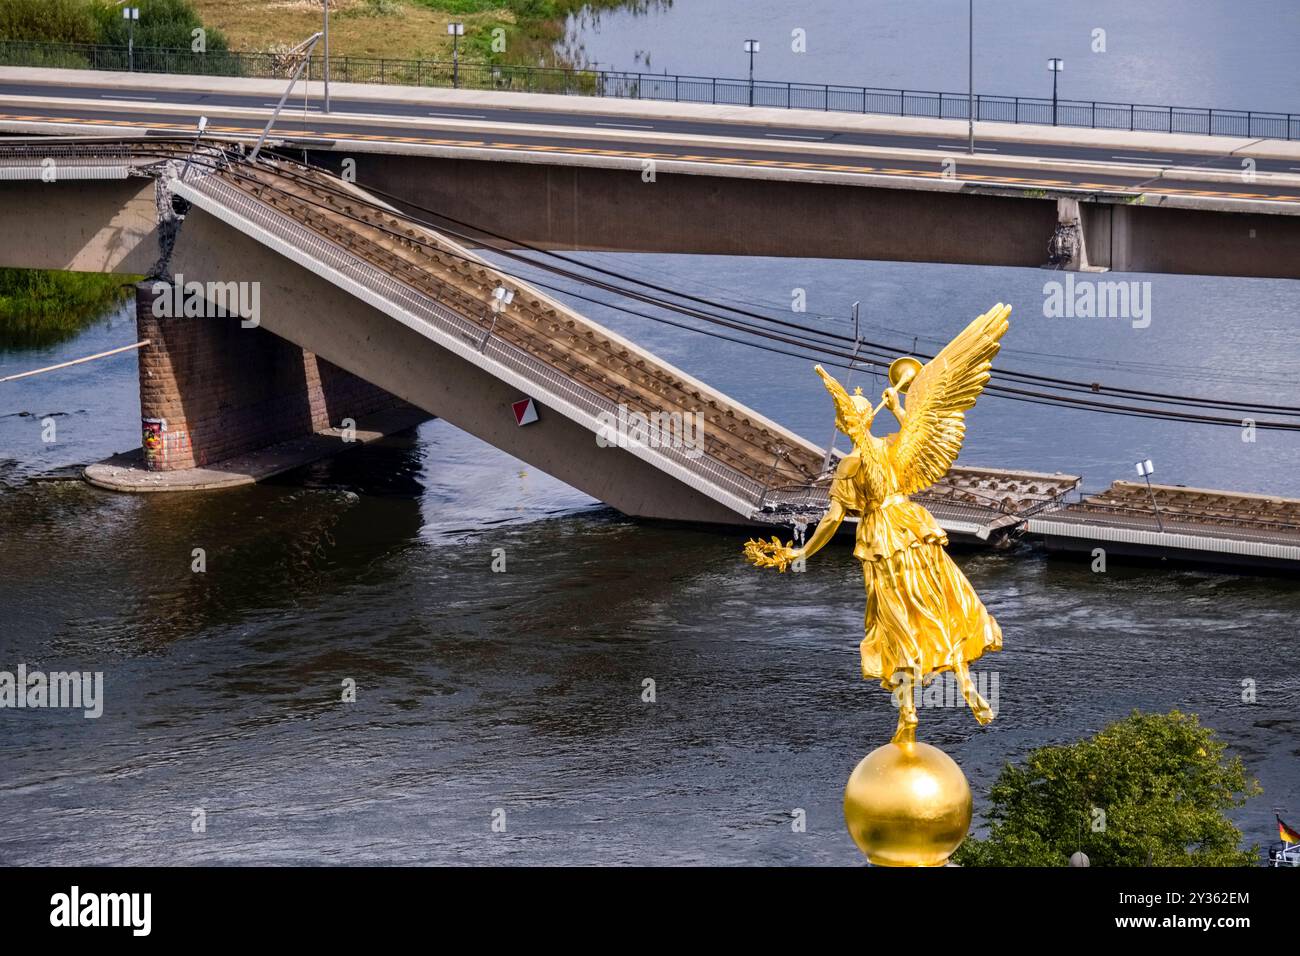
(48, 21)
(1150, 790)
(165, 24)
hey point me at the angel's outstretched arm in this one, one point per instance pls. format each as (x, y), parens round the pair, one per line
(826, 529)
(894, 402)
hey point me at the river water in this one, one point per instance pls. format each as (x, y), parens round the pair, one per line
(1202, 53)
(484, 697)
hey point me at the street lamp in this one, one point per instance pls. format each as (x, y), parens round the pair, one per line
(305, 48)
(130, 15)
(501, 297)
(1056, 65)
(325, 30)
(456, 31)
(203, 125)
(751, 47)
(970, 74)
(1145, 470)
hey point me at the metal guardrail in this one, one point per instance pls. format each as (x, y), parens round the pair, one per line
(449, 322)
(815, 498)
(1042, 111)
(1243, 523)
(55, 161)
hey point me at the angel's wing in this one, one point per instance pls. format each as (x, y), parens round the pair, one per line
(935, 422)
(843, 403)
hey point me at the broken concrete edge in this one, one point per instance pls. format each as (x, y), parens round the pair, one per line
(125, 472)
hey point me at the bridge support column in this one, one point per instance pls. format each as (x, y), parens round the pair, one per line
(1068, 247)
(211, 390)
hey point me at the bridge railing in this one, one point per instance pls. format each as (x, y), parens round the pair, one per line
(1041, 111)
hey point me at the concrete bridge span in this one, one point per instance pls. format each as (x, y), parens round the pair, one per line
(377, 296)
(595, 203)
(361, 309)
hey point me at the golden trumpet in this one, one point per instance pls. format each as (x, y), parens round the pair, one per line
(901, 372)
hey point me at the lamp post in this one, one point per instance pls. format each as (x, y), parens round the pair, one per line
(970, 74)
(325, 31)
(130, 15)
(1145, 469)
(456, 31)
(306, 46)
(501, 297)
(751, 47)
(203, 125)
(1056, 65)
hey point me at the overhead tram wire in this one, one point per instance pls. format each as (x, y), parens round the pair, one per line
(1039, 397)
(998, 390)
(881, 349)
(1047, 381)
(1028, 377)
(993, 389)
(1010, 394)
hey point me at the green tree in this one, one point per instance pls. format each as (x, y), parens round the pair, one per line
(1150, 790)
(163, 25)
(51, 21)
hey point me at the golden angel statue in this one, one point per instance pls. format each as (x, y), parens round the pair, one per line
(923, 617)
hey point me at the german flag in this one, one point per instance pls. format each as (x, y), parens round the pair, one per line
(1287, 834)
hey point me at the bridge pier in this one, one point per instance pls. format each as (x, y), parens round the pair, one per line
(221, 397)
(1068, 247)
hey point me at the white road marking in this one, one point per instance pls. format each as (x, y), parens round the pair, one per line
(1146, 159)
(124, 96)
(625, 125)
(461, 115)
(791, 136)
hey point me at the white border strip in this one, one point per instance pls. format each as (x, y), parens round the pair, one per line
(1186, 542)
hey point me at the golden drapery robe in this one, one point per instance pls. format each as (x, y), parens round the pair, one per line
(922, 613)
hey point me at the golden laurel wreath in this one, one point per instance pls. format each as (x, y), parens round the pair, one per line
(769, 554)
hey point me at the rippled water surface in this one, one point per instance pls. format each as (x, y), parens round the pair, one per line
(521, 691)
(1200, 53)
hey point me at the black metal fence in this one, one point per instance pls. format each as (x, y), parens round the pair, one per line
(664, 87)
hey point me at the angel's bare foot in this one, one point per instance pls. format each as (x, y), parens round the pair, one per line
(906, 732)
(904, 692)
(974, 699)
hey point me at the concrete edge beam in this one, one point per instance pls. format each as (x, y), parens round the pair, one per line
(703, 112)
(1153, 171)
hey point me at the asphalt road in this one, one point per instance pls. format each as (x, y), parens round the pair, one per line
(590, 136)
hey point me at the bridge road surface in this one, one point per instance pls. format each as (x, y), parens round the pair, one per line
(144, 103)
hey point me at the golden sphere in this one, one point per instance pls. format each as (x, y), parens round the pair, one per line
(907, 805)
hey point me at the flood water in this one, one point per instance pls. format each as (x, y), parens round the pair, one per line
(483, 696)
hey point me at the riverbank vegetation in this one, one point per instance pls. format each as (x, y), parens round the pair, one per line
(1150, 790)
(410, 29)
(168, 24)
(40, 308)
(505, 32)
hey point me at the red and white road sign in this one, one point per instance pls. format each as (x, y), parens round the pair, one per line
(525, 411)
